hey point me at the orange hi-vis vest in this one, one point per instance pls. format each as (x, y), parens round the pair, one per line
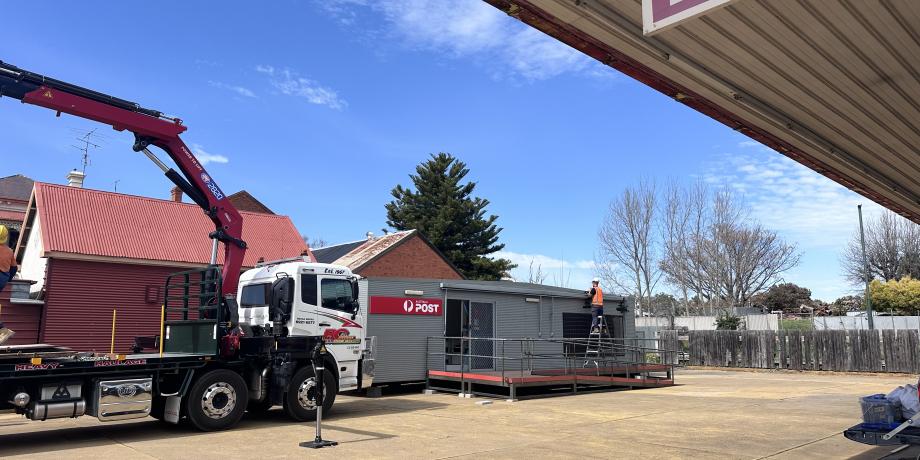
(598, 298)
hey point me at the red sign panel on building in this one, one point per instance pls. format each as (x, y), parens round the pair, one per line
(406, 306)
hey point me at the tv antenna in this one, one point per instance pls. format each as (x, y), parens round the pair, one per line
(87, 144)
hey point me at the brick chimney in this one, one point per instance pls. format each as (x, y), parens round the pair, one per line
(176, 194)
(75, 179)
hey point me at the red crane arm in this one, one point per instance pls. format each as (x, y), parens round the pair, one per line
(150, 127)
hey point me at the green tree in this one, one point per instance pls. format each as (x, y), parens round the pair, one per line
(900, 296)
(785, 296)
(847, 303)
(442, 207)
(728, 322)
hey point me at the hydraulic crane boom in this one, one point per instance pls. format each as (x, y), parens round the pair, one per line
(150, 127)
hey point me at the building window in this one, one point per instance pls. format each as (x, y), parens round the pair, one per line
(337, 295)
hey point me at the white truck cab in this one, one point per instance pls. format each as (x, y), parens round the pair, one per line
(325, 303)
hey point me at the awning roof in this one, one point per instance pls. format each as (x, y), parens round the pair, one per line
(833, 85)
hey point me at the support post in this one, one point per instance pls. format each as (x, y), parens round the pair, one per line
(162, 325)
(112, 347)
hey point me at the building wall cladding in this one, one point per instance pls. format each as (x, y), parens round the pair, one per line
(411, 259)
(402, 340)
(23, 318)
(81, 296)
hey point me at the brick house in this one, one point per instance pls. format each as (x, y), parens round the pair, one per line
(405, 254)
(90, 252)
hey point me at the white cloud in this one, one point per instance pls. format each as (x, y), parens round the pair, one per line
(575, 273)
(205, 157)
(788, 197)
(240, 90)
(472, 29)
(289, 83)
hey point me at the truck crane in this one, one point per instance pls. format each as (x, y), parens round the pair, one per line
(207, 366)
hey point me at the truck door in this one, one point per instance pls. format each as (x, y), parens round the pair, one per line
(304, 316)
(337, 316)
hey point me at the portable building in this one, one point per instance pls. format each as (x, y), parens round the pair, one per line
(412, 320)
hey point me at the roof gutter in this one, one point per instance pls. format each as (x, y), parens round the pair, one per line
(498, 288)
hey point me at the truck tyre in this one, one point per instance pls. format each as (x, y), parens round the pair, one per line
(217, 400)
(297, 401)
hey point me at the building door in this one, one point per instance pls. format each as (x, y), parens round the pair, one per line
(482, 326)
(465, 323)
(455, 327)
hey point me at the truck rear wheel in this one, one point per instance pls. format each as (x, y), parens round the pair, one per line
(217, 400)
(299, 402)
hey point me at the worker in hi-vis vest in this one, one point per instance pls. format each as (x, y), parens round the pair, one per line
(597, 304)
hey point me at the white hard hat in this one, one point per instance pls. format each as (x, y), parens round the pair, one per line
(596, 280)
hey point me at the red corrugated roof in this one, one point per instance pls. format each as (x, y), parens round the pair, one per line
(95, 223)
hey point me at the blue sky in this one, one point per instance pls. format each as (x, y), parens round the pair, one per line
(319, 109)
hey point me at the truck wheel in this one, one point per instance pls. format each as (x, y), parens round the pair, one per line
(299, 402)
(217, 400)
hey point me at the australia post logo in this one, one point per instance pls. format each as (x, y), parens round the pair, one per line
(406, 306)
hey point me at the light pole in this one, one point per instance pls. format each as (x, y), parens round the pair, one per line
(862, 241)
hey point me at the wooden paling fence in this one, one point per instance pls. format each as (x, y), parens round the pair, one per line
(860, 350)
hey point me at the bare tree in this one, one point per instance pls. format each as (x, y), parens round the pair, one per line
(314, 243)
(536, 276)
(713, 249)
(629, 250)
(892, 250)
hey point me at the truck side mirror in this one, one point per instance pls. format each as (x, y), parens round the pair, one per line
(282, 297)
(355, 304)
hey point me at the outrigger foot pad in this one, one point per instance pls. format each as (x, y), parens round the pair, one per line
(318, 443)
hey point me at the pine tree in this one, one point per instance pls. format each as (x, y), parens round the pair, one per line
(444, 210)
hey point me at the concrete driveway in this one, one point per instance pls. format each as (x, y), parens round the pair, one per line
(710, 414)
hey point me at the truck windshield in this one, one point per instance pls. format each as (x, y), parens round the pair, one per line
(255, 295)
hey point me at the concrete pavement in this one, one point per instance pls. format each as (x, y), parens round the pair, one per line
(710, 414)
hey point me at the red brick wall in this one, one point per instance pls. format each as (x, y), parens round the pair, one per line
(412, 259)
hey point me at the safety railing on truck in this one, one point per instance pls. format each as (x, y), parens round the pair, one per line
(192, 311)
(502, 366)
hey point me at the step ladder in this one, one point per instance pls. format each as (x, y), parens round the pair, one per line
(594, 349)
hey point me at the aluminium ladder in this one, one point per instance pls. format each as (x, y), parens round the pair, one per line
(594, 349)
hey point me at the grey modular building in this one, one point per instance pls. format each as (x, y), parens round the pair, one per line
(408, 316)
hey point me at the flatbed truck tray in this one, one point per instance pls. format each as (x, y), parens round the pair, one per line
(873, 436)
(27, 363)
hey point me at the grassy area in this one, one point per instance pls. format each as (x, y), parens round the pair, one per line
(796, 325)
